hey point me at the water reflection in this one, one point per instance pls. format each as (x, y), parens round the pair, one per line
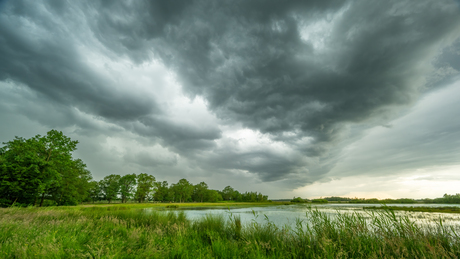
(286, 215)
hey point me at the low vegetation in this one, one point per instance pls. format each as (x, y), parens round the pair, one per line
(445, 199)
(299, 200)
(417, 209)
(128, 232)
(319, 201)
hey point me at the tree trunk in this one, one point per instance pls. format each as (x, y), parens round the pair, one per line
(43, 198)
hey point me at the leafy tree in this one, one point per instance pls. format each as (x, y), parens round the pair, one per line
(237, 196)
(145, 184)
(94, 191)
(182, 190)
(199, 192)
(31, 169)
(213, 196)
(74, 186)
(162, 191)
(110, 187)
(227, 193)
(298, 200)
(127, 184)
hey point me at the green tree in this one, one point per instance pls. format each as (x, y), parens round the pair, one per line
(182, 190)
(227, 193)
(161, 193)
(74, 186)
(31, 169)
(213, 196)
(199, 192)
(110, 187)
(127, 184)
(145, 184)
(237, 196)
(94, 191)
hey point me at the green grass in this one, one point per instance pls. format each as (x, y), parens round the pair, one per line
(131, 232)
(417, 209)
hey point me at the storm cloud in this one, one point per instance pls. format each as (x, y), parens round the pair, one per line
(274, 90)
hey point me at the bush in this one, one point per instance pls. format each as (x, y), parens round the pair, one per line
(319, 201)
(298, 200)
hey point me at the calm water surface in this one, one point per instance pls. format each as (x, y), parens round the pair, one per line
(283, 215)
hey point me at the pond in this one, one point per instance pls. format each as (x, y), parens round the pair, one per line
(286, 215)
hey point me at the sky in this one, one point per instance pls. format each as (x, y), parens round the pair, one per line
(287, 98)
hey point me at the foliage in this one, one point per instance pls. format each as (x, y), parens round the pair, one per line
(145, 184)
(162, 191)
(183, 190)
(228, 193)
(42, 167)
(110, 187)
(319, 201)
(446, 198)
(94, 191)
(127, 184)
(200, 191)
(339, 199)
(298, 200)
(418, 209)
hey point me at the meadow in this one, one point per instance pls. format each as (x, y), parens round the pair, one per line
(127, 231)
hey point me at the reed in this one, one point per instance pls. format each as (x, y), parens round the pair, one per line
(127, 232)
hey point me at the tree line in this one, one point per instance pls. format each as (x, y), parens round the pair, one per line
(445, 199)
(143, 188)
(41, 171)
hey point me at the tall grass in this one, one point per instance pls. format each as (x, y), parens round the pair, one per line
(126, 232)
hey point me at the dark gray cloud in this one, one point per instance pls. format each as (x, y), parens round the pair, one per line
(42, 54)
(426, 137)
(308, 76)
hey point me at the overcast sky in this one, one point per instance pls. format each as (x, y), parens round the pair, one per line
(290, 98)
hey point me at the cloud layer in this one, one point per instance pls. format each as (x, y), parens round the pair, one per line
(267, 90)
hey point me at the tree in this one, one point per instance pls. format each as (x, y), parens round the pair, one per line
(162, 191)
(55, 149)
(199, 192)
(213, 196)
(94, 191)
(182, 190)
(74, 186)
(31, 169)
(145, 184)
(237, 196)
(227, 193)
(127, 184)
(110, 187)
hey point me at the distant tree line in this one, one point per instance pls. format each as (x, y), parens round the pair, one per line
(446, 199)
(143, 187)
(41, 171)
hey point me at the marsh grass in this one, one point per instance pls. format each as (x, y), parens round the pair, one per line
(129, 232)
(416, 209)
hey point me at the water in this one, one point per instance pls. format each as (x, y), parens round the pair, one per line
(286, 215)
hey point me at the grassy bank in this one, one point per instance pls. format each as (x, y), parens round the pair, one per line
(416, 209)
(129, 232)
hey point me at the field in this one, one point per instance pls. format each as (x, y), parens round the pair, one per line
(128, 231)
